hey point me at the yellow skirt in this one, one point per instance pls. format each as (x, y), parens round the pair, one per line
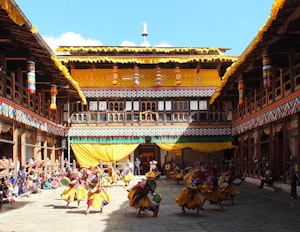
(74, 194)
(98, 199)
(188, 199)
(128, 177)
(212, 194)
(230, 190)
(69, 194)
(81, 192)
(137, 201)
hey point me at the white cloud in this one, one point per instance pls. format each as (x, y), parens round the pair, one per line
(163, 44)
(128, 43)
(70, 39)
(73, 39)
(145, 44)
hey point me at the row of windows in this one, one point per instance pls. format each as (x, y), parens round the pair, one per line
(147, 105)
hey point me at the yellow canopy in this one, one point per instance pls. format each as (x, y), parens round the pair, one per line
(206, 147)
(91, 154)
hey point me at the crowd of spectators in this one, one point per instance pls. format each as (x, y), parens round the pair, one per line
(25, 182)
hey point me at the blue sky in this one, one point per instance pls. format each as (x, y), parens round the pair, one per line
(177, 23)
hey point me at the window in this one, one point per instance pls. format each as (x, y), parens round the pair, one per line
(161, 105)
(180, 106)
(202, 105)
(116, 106)
(136, 106)
(194, 105)
(128, 106)
(148, 105)
(102, 106)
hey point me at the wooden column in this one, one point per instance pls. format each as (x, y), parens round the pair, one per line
(291, 69)
(15, 147)
(276, 151)
(52, 153)
(255, 100)
(21, 85)
(23, 146)
(259, 155)
(36, 148)
(261, 95)
(285, 149)
(249, 152)
(45, 141)
(274, 74)
(281, 83)
(297, 149)
(255, 167)
(271, 147)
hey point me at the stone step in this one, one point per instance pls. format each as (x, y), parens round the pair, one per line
(272, 188)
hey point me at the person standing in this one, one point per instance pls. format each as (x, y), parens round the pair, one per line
(294, 180)
(130, 166)
(3, 188)
(153, 167)
(137, 166)
(22, 176)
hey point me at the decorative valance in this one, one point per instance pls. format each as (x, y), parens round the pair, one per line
(191, 139)
(149, 60)
(107, 140)
(109, 49)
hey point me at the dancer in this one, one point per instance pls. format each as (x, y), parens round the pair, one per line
(212, 191)
(112, 175)
(127, 175)
(142, 195)
(189, 197)
(98, 197)
(231, 181)
(74, 191)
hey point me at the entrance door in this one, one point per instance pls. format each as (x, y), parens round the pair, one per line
(147, 156)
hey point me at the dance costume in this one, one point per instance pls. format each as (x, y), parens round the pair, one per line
(97, 196)
(189, 197)
(139, 195)
(74, 191)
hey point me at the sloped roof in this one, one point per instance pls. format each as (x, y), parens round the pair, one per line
(142, 55)
(280, 34)
(19, 40)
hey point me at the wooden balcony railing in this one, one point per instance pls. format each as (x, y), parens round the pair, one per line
(146, 117)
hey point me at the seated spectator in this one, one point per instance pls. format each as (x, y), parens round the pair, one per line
(47, 185)
(3, 189)
(10, 193)
(32, 182)
(266, 177)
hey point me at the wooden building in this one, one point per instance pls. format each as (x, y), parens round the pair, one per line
(33, 89)
(148, 102)
(117, 103)
(264, 88)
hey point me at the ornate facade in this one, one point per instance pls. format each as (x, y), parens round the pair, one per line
(115, 103)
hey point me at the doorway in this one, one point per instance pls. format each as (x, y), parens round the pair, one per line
(147, 153)
(147, 156)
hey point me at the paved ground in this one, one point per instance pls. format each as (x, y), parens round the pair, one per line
(254, 210)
